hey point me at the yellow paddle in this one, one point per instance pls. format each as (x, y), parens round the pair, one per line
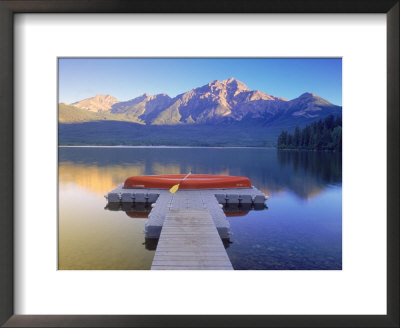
(175, 188)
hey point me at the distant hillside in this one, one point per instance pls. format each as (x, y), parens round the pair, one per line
(98, 103)
(144, 108)
(72, 114)
(127, 133)
(227, 106)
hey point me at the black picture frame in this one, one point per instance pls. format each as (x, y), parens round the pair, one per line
(10, 7)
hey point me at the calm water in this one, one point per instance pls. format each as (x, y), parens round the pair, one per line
(300, 230)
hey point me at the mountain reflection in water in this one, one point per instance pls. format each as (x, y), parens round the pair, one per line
(305, 173)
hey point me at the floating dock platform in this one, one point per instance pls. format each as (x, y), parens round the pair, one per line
(189, 224)
(205, 199)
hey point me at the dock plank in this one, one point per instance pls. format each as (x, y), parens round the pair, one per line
(192, 254)
(157, 267)
(189, 240)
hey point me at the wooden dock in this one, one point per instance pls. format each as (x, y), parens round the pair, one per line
(189, 240)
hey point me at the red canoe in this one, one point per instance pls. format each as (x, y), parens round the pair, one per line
(193, 181)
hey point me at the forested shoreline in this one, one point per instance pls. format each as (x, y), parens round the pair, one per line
(320, 135)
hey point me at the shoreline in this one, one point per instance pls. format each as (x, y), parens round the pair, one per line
(163, 147)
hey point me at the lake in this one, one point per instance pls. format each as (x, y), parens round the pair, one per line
(300, 230)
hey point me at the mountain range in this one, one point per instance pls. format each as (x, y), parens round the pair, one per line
(227, 104)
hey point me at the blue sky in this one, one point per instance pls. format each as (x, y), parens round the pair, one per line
(127, 78)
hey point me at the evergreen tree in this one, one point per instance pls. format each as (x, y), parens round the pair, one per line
(289, 141)
(337, 138)
(281, 140)
(296, 137)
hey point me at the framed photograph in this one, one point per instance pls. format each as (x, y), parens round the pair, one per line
(199, 164)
